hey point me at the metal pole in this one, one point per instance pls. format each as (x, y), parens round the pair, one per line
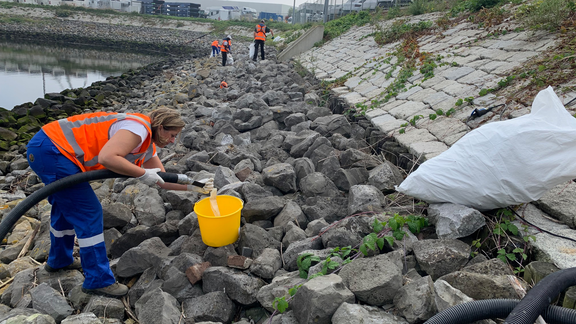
(294, 12)
(325, 11)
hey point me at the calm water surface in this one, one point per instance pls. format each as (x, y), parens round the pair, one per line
(27, 72)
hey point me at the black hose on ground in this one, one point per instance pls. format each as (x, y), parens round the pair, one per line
(10, 220)
(540, 296)
(498, 308)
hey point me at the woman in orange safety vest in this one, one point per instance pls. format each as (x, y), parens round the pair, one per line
(215, 48)
(121, 142)
(225, 49)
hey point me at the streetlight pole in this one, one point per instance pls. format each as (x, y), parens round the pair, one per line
(294, 12)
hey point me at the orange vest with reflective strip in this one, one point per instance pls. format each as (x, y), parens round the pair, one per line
(224, 46)
(260, 32)
(80, 138)
(215, 43)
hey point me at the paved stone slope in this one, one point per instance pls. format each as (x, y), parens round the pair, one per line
(475, 62)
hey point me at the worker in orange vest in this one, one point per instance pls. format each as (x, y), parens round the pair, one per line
(121, 142)
(223, 85)
(259, 39)
(225, 49)
(215, 48)
(229, 41)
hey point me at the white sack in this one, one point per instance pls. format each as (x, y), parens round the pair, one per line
(251, 55)
(502, 163)
(230, 59)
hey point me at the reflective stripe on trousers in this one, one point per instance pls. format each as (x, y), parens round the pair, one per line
(75, 211)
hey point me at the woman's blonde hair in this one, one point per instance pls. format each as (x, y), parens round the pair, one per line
(168, 118)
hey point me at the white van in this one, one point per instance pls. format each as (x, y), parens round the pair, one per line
(223, 13)
(357, 5)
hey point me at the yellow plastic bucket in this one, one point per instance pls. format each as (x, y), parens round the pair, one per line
(222, 230)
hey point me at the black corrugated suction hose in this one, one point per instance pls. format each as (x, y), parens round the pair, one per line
(9, 220)
(541, 295)
(498, 308)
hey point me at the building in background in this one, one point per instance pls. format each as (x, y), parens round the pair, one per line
(279, 9)
(247, 9)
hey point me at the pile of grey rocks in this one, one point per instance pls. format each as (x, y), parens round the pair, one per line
(312, 181)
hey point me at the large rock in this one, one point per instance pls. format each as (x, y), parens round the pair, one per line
(318, 299)
(374, 281)
(440, 257)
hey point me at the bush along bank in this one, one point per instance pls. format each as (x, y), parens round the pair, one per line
(17, 126)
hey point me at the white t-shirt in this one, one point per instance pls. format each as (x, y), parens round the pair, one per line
(133, 127)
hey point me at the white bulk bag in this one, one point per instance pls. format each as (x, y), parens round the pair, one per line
(502, 163)
(251, 55)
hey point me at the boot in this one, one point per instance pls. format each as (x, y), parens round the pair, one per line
(75, 265)
(114, 290)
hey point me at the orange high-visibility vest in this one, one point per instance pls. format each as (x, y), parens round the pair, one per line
(260, 32)
(223, 84)
(80, 138)
(215, 43)
(224, 46)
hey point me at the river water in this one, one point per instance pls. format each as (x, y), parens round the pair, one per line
(27, 71)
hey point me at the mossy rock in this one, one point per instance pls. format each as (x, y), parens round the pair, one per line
(7, 135)
(32, 127)
(37, 111)
(4, 145)
(25, 138)
(6, 118)
(70, 108)
(100, 97)
(27, 120)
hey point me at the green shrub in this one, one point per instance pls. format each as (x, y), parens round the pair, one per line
(548, 14)
(337, 27)
(394, 12)
(62, 13)
(400, 29)
(473, 6)
(476, 5)
(418, 7)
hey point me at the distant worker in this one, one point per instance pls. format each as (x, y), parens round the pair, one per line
(229, 41)
(223, 85)
(215, 48)
(259, 39)
(225, 48)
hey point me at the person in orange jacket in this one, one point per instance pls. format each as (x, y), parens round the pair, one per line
(225, 49)
(215, 48)
(229, 41)
(259, 39)
(121, 142)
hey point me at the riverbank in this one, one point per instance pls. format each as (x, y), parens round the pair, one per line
(318, 185)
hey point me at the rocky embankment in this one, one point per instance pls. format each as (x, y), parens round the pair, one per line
(316, 192)
(78, 30)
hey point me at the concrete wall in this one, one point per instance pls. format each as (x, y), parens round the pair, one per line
(303, 43)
